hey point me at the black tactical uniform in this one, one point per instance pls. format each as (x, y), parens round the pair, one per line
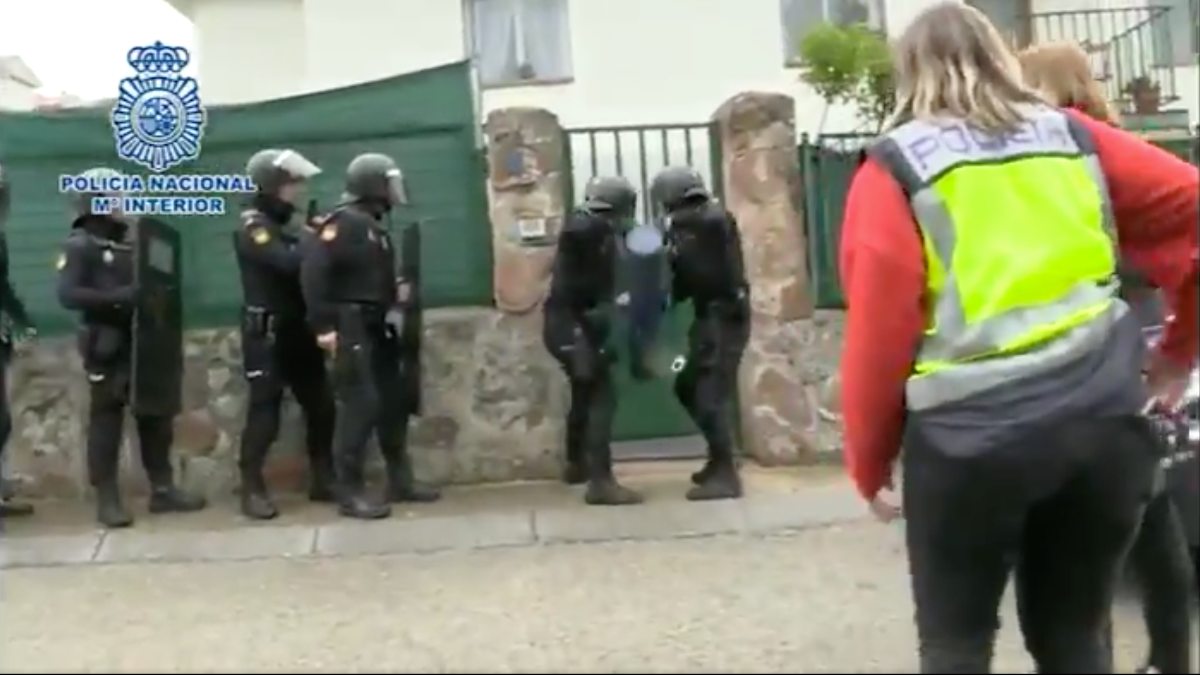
(578, 332)
(14, 317)
(352, 292)
(278, 348)
(95, 277)
(707, 268)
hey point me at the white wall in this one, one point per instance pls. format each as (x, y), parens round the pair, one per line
(250, 50)
(16, 95)
(376, 39)
(629, 66)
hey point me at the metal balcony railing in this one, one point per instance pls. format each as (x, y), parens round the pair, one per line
(1124, 44)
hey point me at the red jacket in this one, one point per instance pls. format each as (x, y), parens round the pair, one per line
(1156, 202)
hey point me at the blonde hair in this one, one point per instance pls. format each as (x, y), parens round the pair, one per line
(952, 62)
(1062, 73)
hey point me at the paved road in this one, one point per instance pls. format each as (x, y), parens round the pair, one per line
(831, 599)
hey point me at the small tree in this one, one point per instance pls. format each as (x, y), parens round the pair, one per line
(875, 95)
(849, 64)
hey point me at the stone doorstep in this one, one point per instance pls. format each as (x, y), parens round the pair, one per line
(756, 515)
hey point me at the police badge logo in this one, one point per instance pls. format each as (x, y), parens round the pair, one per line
(157, 120)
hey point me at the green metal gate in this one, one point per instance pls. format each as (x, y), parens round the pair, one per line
(647, 410)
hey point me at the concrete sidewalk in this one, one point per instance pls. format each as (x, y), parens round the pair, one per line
(466, 519)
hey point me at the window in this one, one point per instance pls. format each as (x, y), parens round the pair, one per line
(1011, 18)
(520, 41)
(801, 16)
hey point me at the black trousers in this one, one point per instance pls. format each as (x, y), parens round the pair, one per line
(1163, 569)
(707, 384)
(1066, 502)
(284, 356)
(593, 396)
(109, 389)
(369, 391)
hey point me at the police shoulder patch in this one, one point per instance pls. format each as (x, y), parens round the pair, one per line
(260, 235)
(329, 232)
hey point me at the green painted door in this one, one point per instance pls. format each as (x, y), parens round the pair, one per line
(649, 409)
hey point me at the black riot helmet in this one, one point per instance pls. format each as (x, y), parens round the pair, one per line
(102, 176)
(610, 194)
(677, 185)
(5, 197)
(373, 178)
(273, 168)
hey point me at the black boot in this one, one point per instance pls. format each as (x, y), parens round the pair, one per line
(722, 482)
(603, 488)
(321, 482)
(354, 504)
(705, 471)
(109, 510)
(403, 487)
(256, 503)
(575, 473)
(166, 498)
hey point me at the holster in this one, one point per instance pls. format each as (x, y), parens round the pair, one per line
(259, 322)
(585, 358)
(100, 344)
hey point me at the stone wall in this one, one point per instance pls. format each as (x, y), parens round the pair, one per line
(494, 407)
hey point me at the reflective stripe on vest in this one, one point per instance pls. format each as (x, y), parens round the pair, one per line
(986, 327)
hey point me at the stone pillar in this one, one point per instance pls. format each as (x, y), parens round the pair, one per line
(526, 189)
(783, 368)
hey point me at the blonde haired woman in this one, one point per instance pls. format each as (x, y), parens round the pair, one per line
(1159, 557)
(985, 333)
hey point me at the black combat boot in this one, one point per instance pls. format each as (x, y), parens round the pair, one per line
(354, 504)
(10, 508)
(166, 498)
(603, 488)
(256, 503)
(403, 487)
(576, 470)
(321, 480)
(109, 511)
(575, 473)
(720, 480)
(8, 505)
(705, 471)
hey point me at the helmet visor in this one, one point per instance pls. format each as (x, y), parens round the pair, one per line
(296, 165)
(397, 192)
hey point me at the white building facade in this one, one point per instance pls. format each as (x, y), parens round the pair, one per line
(608, 62)
(18, 85)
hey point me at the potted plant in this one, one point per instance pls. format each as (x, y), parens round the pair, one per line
(1146, 95)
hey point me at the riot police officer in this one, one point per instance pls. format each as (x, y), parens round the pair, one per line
(278, 348)
(16, 325)
(357, 306)
(96, 278)
(707, 269)
(578, 332)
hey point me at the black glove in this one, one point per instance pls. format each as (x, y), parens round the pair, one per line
(127, 295)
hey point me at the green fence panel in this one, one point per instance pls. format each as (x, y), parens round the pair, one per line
(827, 165)
(425, 120)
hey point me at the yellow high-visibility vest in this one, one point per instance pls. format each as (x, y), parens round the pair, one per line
(1020, 250)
